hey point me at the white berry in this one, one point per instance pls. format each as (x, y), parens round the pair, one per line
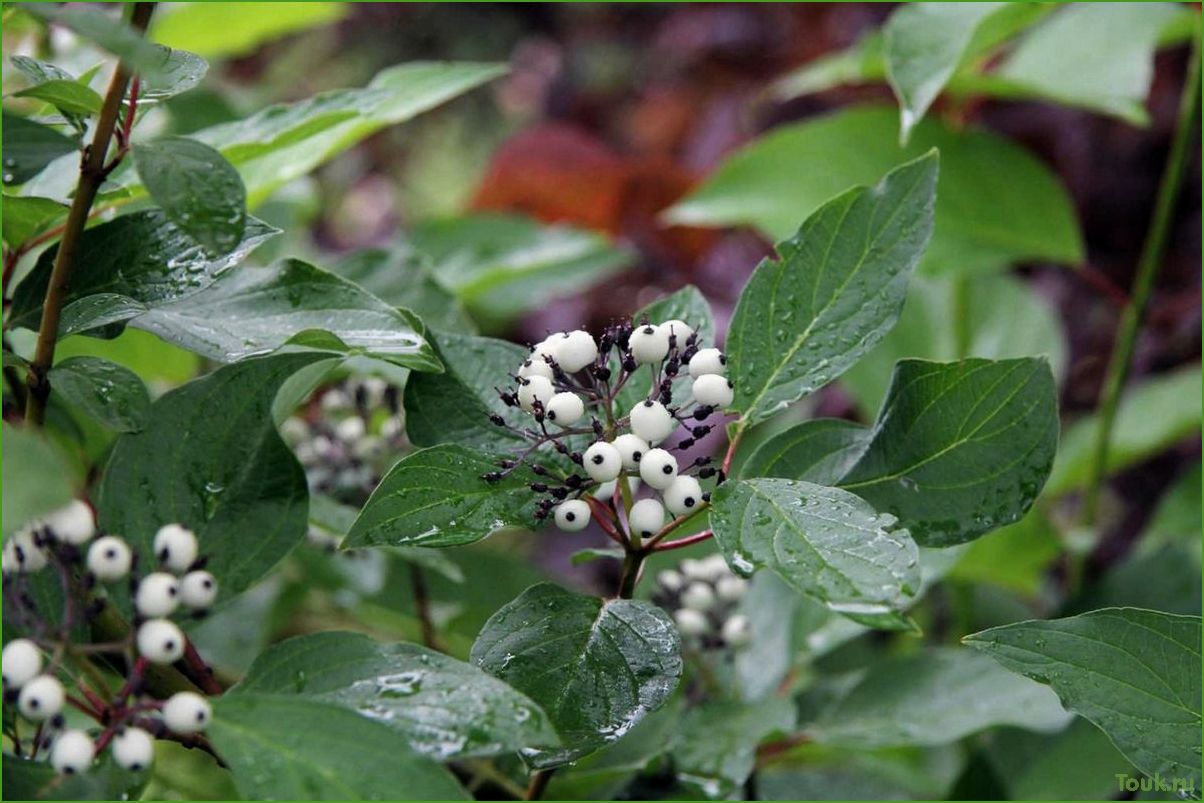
(737, 630)
(175, 547)
(713, 390)
(698, 596)
(158, 595)
(651, 421)
(72, 752)
(631, 449)
(350, 429)
(535, 366)
(694, 569)
(133, 749)
(658, 468)
(109, 558)
(646, 518)
(670, 580)
(649, 344)
(714, 566)
(565, 409)
(160, 641)
(731, 588)
(572, 515)
(533, 389)
(41, 698)
(198, 590)
(602, 462)
(679, 330)
(73, 523)
(22, 554)
(20, 663)
(575, 350)
(683, 495)
(690, 622)
(708, 361)
(607, 489)
(186, 712)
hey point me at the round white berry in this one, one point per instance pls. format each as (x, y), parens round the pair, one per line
(658, 468)
(548, 348)
(683, 495)
(41, 698)
(175, 547)
(22, 554)
(690, 622)
(20, 663)
(737, 630)
(109, 558)
(651, 421)
(160, 641)
(336, 399)
(646, 518)
(158, 594)
(731, 588)
(631, 448)
(698, 596)
(533, 389)
(602, 462)
(679, 330)
(648, 344)
(714, 567)
(133, 748)
(294, 430)
(607, 489)
(572, 515)
(670, 580)
(713, 390)
(535, 366)
(198, 590)
(74, 523)
(350, 429)
(72, 752)
(575, 350)
(565, 409)
(708, 361)
(186, 712)
(693, 569)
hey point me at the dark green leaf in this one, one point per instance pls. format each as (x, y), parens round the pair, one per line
(1078, 763)
(36, 477)
(402, 277)
(825, 542)
(103, 390)
(285, 748)
(717, 747)
(445, 708)
(960, 448)
(1134, 673)
(821, 450)
(27, 216)
(436, 498)
(197, 188)
(29, 147)
(835, 290)
(65, 95)
(597, 667)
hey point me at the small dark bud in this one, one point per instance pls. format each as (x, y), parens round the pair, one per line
(629, 364)
(507, 463)
(601, 373)
(497, 420)
(702, 413)
(598, 428)
(702, 461)
(559, 493)
(577, 458)
(560, 447)
(704, 473)
(538, 470)
(706, 497)
(492, 476)
(541, 514)
(686, 443)
(539, 487)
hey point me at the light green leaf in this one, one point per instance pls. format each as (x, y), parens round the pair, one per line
(103, 390)
(1165, 579)
(859, 64)
(1015, 557)
(285, 748)
(403, 278)
(65, 95)
(597, 667)
(997, 204)
(37, 478)
(28, 216)
(716, 749)
(236, 29)
(1177, 518)
(29, 147)
(160, 365)
(1134, 673)
(26, 779)
(960, 448)
(445, 708)
(40, 72)
(197, 188)
(835, 290)
(821, 450)
(583, 556)
(824, 542)
(436, 498)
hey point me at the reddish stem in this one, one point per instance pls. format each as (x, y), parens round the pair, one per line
(681, 543)
(200, 670)
(80, 705)
(731, 452)
(605, 518)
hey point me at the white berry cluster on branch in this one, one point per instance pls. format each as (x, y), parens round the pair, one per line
(703, 597)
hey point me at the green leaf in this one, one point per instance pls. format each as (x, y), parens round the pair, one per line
(402, 277)
(65, 95)
(197, 188)
(445, 708)
(821, 450)
(103, 390)
(209, 458)
(861, 63)
(1152, 416)
(1078, 763)
(436, 498)
(716, 750)
(1134, 673)
(236, 30)
(835, 290)
(25, 779)
(960, 448)
(997, 204)
(29, 147)
(36, 477)
(177, 72)
(824, 542)
(597, 667)
(1177, 518)
(285, 748)
(254, 310)
(583, 556)
(1165, 579)
(142, 256)
(934, 697)
(39, 72)
(160, 365)
(28, 216)
(1015, 557)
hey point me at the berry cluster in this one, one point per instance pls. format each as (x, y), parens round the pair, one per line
(702, 596)
(85, 561)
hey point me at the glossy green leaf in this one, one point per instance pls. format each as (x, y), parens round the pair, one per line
(997, 204)
(1134, 673)
(234, 29)
(29, 147)
(716, 750)
(403, 278)
(834, 291)
(28, 216)
(39, 71)
(960, 448)
(102, 390)
(436, 498)
(197, 189)
(597, 667)
(821, 450)
(160, 365)
(445, 708)
(825, 542)
(209, 458)
(286, 748)
(37, 478)
(65, 95)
